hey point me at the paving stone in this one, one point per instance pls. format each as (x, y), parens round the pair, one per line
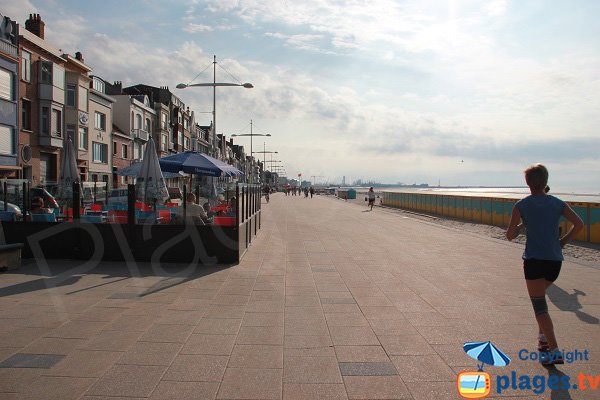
(168, 390)
(367, 368)
(25, 360)
(256, 356)
(209, 344)
(311, 391)
(361, 354)
(151, 353)
(85, 364)
(244, 383)
(197, 368)
(128, 381)
(376, 387)
(311, 370)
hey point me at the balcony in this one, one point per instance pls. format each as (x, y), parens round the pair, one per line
(9, 48)
(51, 141)
(140, 135)
(49, 92)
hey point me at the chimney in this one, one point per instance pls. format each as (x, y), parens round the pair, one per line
(79, 56)
(35, 25)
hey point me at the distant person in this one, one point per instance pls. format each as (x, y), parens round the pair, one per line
(312, 191)
(306, 192)
(540, 213)
(193, 212)
(267, 191)
(371, 198)
(38, 206)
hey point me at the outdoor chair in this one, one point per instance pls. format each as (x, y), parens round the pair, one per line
(43, 217)
(117, 216)
(91, 218)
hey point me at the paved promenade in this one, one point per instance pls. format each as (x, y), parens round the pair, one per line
(330, 302)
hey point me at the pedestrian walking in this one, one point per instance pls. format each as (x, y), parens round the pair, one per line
(542, 259)
(371, 198)
(312, 191)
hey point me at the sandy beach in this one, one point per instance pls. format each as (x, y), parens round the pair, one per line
(582, 251)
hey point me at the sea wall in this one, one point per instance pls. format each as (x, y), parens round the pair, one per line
(487, 210)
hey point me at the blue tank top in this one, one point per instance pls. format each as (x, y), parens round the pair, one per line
(541, 215)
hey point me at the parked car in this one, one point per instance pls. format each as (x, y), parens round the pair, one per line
(13, 208)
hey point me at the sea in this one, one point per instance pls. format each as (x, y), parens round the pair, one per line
(501, 192)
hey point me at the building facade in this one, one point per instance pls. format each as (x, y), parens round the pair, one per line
(9, 97)
(41, 104)
(101, 147)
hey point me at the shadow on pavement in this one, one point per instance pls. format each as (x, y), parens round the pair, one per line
(566, 301)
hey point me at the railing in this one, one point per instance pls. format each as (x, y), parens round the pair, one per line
(8, 48)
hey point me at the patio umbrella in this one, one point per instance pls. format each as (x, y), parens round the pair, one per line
(69, 173)
(192, 162)
(150, 184)
(487, 353)
(134, 169)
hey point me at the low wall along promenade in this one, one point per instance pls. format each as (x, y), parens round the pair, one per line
(487, 210)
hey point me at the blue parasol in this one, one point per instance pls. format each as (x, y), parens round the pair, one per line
(135, 168)
(487, 353)
(192, 162)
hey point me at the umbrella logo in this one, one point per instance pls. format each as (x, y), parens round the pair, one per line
(477, 384)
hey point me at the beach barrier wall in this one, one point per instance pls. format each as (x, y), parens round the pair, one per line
(487, 210)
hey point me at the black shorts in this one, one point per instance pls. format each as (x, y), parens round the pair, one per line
(371, 201)
(538, 269)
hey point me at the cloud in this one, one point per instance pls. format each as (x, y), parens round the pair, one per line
(194, 28)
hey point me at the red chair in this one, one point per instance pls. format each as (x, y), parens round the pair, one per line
(117, 216)
(224, 221)
(164, 216)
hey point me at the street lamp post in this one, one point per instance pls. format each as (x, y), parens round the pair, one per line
(265, 154)
(251, 136)
(214, 85)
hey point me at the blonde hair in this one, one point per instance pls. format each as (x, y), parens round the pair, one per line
(536, 176)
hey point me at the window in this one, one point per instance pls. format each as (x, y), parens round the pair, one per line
(164, 121)
(26, 66)
(138, 121)
(180, 139)
(71, 89)
(100, 121)
(98, 85)
(83, 139)
(56, 122)
(46, 72)
(6, 84)
(83, 99)
(7, 140)
(59, 77)
(163, 145)
(45, 120)
(100, 152)
(187, 144)
(123, 151)
(186, 124)
(25, 115)
(115, 147)
(132, 120)
(147, 125)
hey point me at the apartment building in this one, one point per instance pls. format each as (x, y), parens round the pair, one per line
(77, 116)
(9, 95)
(134, 115)
(122, 155)
(41, 104)
(101, 147)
